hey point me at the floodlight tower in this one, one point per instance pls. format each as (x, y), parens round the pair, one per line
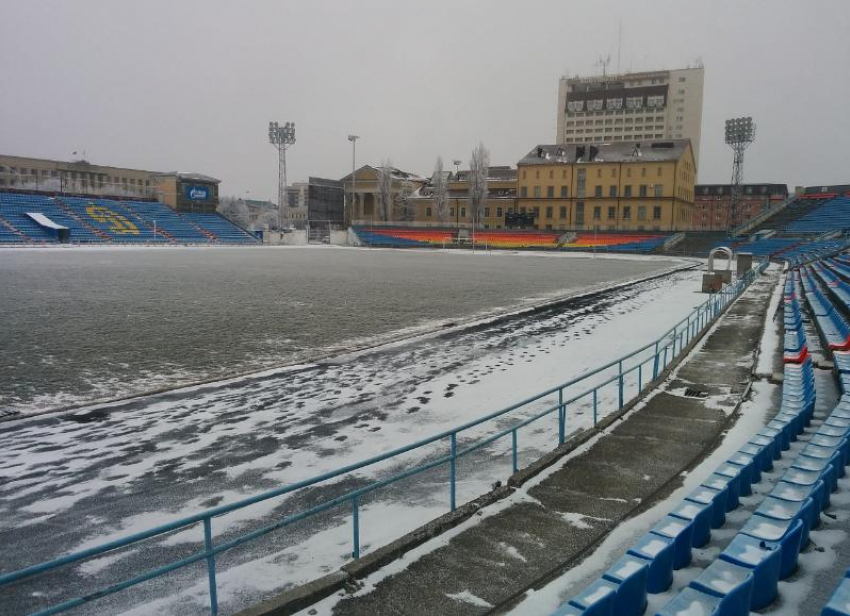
(352, 207)
(740, 133)
(281, 137)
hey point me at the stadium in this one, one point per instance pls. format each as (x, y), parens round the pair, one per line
(597, 375)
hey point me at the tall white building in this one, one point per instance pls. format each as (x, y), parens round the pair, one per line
(632, 107)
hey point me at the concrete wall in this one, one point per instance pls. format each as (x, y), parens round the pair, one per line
(294, 238)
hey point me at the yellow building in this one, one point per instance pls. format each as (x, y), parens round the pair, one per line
(621, 186)
(501, 194)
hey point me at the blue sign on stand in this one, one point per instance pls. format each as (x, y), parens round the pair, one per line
(197, 193)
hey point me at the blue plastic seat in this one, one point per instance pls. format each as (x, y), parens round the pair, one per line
(681, 533)
(630, 574)
(567, 609)
(699, 515)
(749, 462)
(763, 455)
(719, 482)
(692, 601)
(715, 498)
(658, 551)
(597, 599)
(739, 474)
(729, 582)
(764, 559)
(839, 602)
(805, 510)
(787, 533)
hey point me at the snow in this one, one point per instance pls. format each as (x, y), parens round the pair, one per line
(540, 354)
(468, 597)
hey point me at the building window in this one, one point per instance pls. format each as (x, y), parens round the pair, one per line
(428, 212)
(580, 182)
(641, 212)
(451, 211)
(627, 212)
(550, 192)
(498, 212)
(463, 212)
(597, 212)
(642, 190)
(629, 172)
(563, 192)
(627, 190)
(523, 174)
(563, 211)
(597, 191)
(612, 212)
(536, 211)
(549, 212)
(536, 192)
(486, 212)
(579, 212)
(612, 191)
(659, 190)
(656, 212)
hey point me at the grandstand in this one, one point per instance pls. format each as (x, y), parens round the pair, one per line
(27, 218)
(743, 574)
(627, 242)
(509, 239)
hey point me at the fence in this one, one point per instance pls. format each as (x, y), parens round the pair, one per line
(641, 367)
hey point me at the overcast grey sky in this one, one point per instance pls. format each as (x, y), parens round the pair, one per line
(191, 85)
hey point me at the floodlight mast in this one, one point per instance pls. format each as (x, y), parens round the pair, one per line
(352, 207)
(281, 137)
(740, 133)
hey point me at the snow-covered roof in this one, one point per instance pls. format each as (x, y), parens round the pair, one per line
(616, 152)
(187, 175)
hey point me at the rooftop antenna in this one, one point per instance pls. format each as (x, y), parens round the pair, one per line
(604, 62)
(619, 44)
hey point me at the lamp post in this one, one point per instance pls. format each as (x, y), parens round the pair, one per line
(281, 137)
(456, 163)
(352, 208)
(740, 133)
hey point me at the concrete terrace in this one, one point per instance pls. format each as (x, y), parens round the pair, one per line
(556, 519)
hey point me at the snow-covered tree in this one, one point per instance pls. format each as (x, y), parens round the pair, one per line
(479, 165)
(440, 189)
(385, 190)
(404, 203)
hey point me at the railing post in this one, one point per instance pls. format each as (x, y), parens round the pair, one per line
(514, 463)
(594, 407)
(666, 346)
(453, 471)
(355, 523)
(655, 362)
(620, 382)
(208, 549)
(640, 378)
(674, 343)
(688, 329)
(562, 418)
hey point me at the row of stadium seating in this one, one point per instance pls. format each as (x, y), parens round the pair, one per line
(745, 575)
(400, 237)
(96, 220)
(832, 215)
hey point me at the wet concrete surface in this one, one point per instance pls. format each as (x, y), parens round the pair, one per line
(639, 462)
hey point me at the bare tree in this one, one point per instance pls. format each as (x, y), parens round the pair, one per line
(479, 165)
(404, 204)
(440, 192)
(385, 190)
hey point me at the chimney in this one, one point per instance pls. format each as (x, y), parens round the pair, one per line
(636, 152)
(539, 152)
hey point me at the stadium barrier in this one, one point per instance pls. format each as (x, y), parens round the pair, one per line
(653, 358)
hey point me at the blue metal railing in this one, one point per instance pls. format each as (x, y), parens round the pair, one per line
(652, 359)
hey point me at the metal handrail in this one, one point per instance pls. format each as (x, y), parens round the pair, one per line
(664, 350)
